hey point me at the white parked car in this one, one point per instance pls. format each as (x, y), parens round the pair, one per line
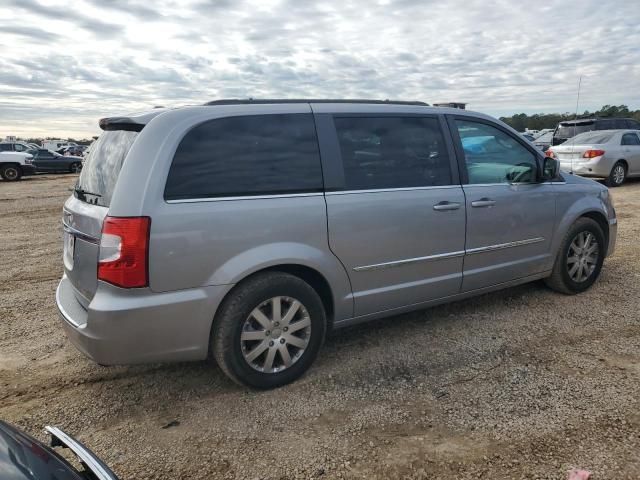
(55, 145)
(610, 154)
(15, 165)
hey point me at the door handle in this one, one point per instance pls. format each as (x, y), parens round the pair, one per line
(443, 206)
(483, 202)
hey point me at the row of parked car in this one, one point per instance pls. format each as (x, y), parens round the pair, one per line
(18, 159)
(606, 148)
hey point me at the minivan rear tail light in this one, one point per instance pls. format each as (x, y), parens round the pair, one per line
(549, 153)
(593, 153)
(124, 251)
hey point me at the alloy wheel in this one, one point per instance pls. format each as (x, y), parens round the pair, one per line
(582, 257)
(275, 334)
(618, 174)
(10, 173)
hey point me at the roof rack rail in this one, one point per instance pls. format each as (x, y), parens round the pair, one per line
(248, 101)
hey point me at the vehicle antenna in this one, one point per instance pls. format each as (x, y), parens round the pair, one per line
(575, 121)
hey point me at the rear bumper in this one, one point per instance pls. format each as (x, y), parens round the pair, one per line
(594, 168)
(123, 326)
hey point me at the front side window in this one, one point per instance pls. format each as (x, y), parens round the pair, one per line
(493, 156)
(243, 156)
(392, 152)
(630, 139)
(19, 147)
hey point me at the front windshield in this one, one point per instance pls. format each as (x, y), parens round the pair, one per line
(545, 137)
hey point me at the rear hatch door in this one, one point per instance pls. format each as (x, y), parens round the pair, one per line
(85, 210)
(569, 129)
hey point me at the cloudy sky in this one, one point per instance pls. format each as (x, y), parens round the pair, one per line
(65, 64)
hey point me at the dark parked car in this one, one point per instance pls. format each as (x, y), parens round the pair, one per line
(571, 128)
(528, 136)
(48, 161)
(72, 150)
(543, 142)
(22, 457)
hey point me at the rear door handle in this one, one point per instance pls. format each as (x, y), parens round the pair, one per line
(443, 206)
(483, 202)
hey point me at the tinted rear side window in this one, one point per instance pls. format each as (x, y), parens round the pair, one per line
(630, 139)
(392, 152)
(102, 166)
(251, 155)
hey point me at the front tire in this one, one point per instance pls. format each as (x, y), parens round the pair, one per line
(580, 258)
(75, 167)
(617, 176)
(11, 173)
(268, 330)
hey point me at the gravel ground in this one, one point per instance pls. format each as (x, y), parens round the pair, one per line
(524, 383)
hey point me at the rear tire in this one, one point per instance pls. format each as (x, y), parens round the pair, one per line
(256, 342)
(75, 167)
(617, 176)
(11, 173)
(576, 268)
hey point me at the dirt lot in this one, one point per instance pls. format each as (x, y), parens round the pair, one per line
(524, 383)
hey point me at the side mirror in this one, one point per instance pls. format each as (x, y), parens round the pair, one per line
(550, 169)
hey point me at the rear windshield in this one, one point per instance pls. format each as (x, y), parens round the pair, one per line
(568, 130)
(591, 137)
(102, 166)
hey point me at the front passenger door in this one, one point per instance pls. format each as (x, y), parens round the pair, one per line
(510, 215)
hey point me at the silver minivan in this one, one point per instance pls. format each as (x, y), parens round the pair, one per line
(246, 230)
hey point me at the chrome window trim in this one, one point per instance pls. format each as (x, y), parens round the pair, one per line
(501, 246)
(244, 197)
(398, 189)
(445, 256)
(399, 263)
(349, 192)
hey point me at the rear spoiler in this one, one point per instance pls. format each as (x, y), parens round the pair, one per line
(88, 460)
(120, 123)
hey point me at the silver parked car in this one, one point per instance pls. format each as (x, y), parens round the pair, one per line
(246, 230)
(610, 154)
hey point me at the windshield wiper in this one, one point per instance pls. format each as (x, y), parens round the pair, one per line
(81, 192)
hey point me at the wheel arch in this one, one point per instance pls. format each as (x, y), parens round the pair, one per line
(311, 276)
(602, 221)
(623, 161)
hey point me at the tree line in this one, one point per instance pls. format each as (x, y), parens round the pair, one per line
(39, 140)
(538, 121)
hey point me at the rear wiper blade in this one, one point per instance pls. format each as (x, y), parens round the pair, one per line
(81, 191)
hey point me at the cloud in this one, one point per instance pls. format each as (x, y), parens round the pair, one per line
(141, 10)
(73, 16)
(87, 59)
(31, 33)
